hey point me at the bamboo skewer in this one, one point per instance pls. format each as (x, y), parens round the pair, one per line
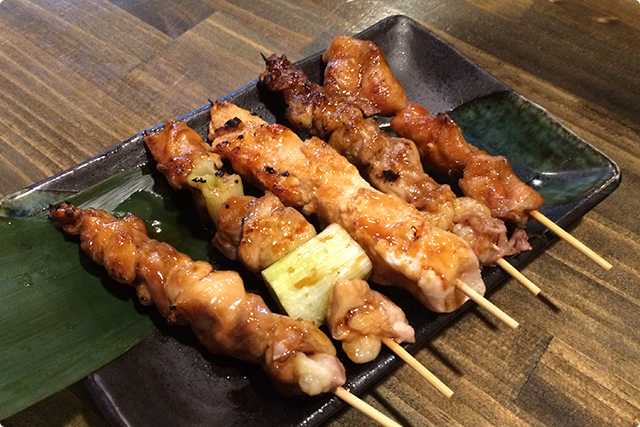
(364, 407)
(486, 304)
(420, 368)
(570, 239)
(513, 272)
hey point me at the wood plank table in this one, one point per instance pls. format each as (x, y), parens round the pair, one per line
(78, 77)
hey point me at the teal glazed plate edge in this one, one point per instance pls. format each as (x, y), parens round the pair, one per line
(169, 379)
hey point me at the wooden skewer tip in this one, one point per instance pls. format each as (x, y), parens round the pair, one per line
(564, 235)
(486, 304)
(365, 408)
(419, 367)
(516, 274)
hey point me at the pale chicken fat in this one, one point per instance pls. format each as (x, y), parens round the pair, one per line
(361, 317)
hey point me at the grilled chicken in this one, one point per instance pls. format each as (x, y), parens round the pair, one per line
(391, 164)
(405, 250)
(358, 70)
(177, 149)
(263, 230)
(296, 355)
(358, 316)
(488, 179)
(259, 231)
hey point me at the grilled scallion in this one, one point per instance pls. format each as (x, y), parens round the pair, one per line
(303, 280)
(213, 187)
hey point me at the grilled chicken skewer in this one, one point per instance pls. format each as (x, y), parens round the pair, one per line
(391, 164)
(483, 177)
(258, 231)
(358, 69)
(294, 353)
(436, 266)
(405, 250)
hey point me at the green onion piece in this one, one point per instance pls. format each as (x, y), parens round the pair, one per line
(213, 187)
(303, 280)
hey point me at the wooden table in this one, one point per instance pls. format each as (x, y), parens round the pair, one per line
(77, 77)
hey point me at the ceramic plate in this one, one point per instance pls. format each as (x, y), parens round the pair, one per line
(170, 380)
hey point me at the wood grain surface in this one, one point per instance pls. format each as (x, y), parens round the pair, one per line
(77, 77)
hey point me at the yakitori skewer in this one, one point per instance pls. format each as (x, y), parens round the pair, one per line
(311, 175)
(483, 176)
(368, 80)
(392, 165)
(261, 231)
(224, 317)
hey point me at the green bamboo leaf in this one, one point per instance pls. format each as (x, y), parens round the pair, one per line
(61, 317)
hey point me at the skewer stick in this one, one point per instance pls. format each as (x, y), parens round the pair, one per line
(486, 304)
(570, 239)
(411, 361)
(513, 272)
(365, 408)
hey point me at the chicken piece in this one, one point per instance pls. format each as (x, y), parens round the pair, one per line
(268, 231)
(358, 70)
(273, 158)
(438, 138)
(392, 165)
(405, 250)
(296, 355)
(491, 180)
(488, 179)
(177, 148)
(230, 224)
(361, 317)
